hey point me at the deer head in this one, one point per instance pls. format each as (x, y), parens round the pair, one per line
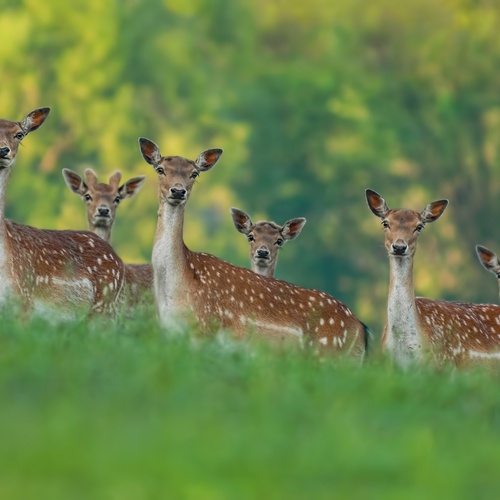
(100, 198)
(12, 133)
(265, 239)
(402, 226)
(175, 173)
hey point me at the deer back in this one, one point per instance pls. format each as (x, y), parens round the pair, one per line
(71, 270)
(240, 300)
(459, 332)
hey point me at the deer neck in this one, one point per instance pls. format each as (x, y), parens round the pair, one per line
(169, 261)
(4, 177)
(5, 279)
(267, 271)
(403, 333)
(102, 232)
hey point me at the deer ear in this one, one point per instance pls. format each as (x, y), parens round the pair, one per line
(150, 151)
(131, 187)
(208, 159)
(376, 203)
(74, 181)
(433, 211)
(91, 177)
(488, 259)
(241, 220)
(292, 228)
(34, 119)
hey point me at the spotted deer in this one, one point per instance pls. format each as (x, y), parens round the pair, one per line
(188, 283)
(265, 238)
(423, 329)
(61, 273)
(490, 261)
(102, 200)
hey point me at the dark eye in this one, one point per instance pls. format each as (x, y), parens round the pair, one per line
(19, 136)
(88, 197)
(194, 175)
(385, 223)
(419, 228)
(160, 170)
(250, 237)
(279, 241)
(117, 200)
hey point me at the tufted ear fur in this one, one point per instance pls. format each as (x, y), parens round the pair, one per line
(150, 151)
(292, 228)
(488, 259)
(376, 203)
(74, 182)
(131, 187)
(241, 221)
(433, 211)
(208, 159)
(34, 119)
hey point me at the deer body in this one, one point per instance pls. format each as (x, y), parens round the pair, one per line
(214, 291)
(417, 328)
(64, 272)
(102, 200)
(265, 238)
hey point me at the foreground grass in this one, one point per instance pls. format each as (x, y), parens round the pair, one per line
(124, 412)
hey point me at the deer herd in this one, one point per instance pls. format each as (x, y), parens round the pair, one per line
(66, 274)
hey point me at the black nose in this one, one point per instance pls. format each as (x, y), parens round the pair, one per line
(263, 254)
(4, 152)
(103, 211)
(399, 248)
(178, 193)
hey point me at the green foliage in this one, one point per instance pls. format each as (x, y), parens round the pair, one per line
(125, 411)
(312, 103)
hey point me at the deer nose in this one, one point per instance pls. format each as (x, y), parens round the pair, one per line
(103, 211)
(4, 152)
(399, 247)
(262, 253)
(178, 193)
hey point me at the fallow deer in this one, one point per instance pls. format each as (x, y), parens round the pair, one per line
(265, 238)
(102, 200)
(60, 272)
(423, 329)
(234, 298)
(490, 261)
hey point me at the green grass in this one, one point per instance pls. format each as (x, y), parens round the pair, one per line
(125, 412)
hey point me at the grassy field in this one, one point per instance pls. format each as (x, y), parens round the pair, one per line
(125, 412)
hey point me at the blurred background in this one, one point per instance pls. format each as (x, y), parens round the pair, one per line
(312, 102)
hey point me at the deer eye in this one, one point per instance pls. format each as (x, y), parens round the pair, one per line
(19, 136)
(88, 197)
(194, 175)
(160, 170)
(250, 237)
(385, 223)
(279, 241)
(117, 200)
(419, 228)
